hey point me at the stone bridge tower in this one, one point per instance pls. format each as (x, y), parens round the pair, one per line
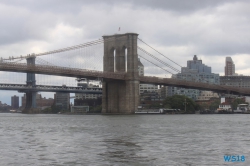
(31, 81)
(120, 55)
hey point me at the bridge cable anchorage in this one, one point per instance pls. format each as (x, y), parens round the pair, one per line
(159, 52)
(171, 67)
(155, 64)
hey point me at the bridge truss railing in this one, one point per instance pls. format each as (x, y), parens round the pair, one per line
(48, 88)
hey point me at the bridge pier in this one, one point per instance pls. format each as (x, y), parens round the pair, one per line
(31, 95)
(120, 96)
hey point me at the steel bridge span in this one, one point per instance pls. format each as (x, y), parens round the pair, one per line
(92, 74)
(120, 77)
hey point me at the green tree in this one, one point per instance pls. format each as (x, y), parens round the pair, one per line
(55, 109)
(202, 106)
(46, 111)
(178, 102)
(214, 105)
(236, 102)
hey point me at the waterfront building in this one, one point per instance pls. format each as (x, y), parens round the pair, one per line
(4, 107)
(15, 102)
(88, 102)
(229, 67)
(85, 99)
(225, 106)
(195, 71)
(86, 95)
(62, 100)
(41, 102)
(147, 99)
(207, 95)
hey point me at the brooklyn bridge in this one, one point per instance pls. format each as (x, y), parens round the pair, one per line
(115, 63)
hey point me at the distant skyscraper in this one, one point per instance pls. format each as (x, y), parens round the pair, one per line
(15, 102)
(230, 67)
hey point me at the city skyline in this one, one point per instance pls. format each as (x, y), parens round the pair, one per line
(51, 94)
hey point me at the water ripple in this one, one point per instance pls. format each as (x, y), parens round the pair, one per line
(123, 140)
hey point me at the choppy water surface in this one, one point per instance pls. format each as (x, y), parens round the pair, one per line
(123, 140)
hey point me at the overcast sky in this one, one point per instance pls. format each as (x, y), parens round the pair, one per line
(210, 29)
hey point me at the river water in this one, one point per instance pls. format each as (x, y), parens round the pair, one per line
(123, 140)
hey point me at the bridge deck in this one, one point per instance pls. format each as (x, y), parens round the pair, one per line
(92, 74)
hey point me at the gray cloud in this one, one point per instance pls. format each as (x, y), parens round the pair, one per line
(66, 6)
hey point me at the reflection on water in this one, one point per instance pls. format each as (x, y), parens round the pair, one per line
(123, 140)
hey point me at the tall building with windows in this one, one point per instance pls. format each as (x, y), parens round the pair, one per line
(15, 102)
(230, 67)
(195, 71)
(87, 95)
(62, 100)
(163, 92)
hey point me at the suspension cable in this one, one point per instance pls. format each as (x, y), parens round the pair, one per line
(159, 52)
(158, 59)
(72, 47)
(155, 64)
(88, 44)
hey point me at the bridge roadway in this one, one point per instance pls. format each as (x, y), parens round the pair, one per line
(60, 71)
(92, 74)
(48, 88)
(195, 85)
